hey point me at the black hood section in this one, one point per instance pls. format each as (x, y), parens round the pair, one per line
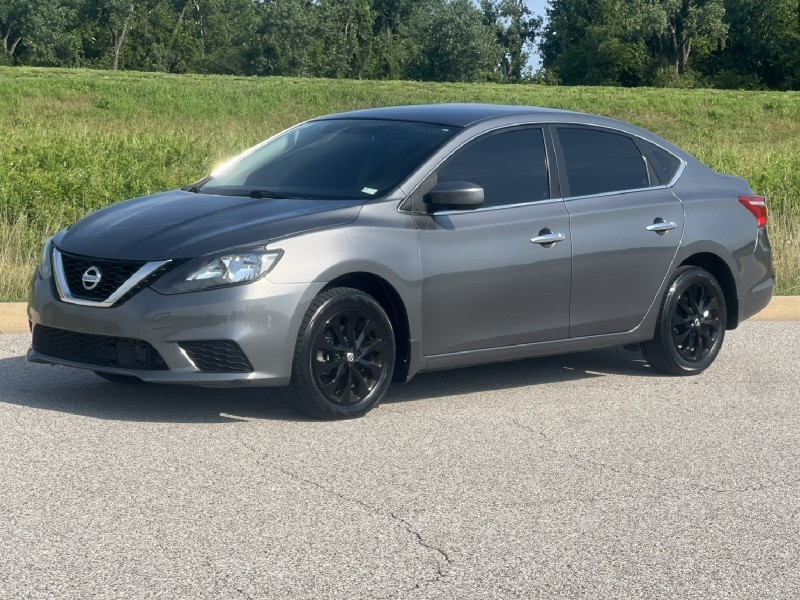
(181, 224)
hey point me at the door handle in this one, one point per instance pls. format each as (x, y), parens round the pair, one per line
(547, 238)
(660, 226)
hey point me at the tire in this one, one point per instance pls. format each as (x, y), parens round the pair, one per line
(116, 378)
(344, 356)
(691, 324)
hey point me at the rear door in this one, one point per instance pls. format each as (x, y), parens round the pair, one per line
(626, 228)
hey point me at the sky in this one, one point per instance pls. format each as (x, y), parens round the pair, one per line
(538, 8)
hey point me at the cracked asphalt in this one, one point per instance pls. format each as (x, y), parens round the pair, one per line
(581, 476)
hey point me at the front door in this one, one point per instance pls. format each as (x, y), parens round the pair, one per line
(489, 276)
(486, 285)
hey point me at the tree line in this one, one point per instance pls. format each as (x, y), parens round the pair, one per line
(438, 40)
(716, 43)
(723, 43)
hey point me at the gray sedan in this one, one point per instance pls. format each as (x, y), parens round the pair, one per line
(361, 248)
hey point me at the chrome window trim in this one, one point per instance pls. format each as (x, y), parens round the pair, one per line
(679, 172)
(617, 193)
(467, 211)
(64, 293)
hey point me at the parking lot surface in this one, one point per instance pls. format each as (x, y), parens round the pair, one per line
(580, 476)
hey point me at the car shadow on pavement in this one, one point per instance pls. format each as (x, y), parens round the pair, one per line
(522, 373)
(79, 392)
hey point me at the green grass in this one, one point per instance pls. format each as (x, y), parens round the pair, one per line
(75, 140)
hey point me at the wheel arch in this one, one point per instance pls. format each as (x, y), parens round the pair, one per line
(388, 297)
(722, 273)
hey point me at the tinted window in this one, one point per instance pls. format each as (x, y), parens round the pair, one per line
(664, 163)
(599, 161)
(511, 167)
(341, 158)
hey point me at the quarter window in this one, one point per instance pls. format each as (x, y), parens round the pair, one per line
(664, 163)
(510, 166)
(598, 162)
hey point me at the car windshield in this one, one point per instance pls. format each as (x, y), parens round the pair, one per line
(335, 159)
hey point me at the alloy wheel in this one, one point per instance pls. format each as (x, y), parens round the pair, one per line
(696, 322)
(349, 357)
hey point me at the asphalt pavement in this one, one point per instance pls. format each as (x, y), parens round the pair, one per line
(580, 476)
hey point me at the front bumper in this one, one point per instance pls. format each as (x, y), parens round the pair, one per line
(262, 318)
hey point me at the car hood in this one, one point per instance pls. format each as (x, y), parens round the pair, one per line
(181, 224)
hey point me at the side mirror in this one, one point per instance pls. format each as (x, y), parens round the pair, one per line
(455, 195)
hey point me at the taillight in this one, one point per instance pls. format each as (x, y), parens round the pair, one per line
(756, 205)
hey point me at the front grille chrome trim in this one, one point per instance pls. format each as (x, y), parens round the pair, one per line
(66, 296)
(187, 357)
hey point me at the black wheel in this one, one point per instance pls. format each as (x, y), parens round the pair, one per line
(116, 378)
(344, 356)
(691, 324)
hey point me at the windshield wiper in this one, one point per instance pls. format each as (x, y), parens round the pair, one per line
(266, 194)
(276, 195)
(243, 191)
(195, 187)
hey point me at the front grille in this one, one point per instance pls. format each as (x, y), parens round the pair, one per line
(217, 356)
(114, 274)
(97, 350)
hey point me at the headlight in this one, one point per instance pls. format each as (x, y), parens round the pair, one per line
(45, 261)
(207, 272)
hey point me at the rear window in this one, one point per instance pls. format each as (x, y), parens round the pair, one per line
(598, 161)
(338, 158)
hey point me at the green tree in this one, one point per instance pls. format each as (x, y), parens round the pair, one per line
(14, 17)
(389, 41)
(674, 26)
(39, 32)
(595, 42)
(174, 29)
(201, 36)
(516, 29)
(449, 40)
(763, 45)
(227, 30)
(152, 41)
(343, 41)
(287, 30)
(116, 17)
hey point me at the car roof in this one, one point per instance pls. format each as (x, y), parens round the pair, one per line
(456, 115)
(467, 115)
